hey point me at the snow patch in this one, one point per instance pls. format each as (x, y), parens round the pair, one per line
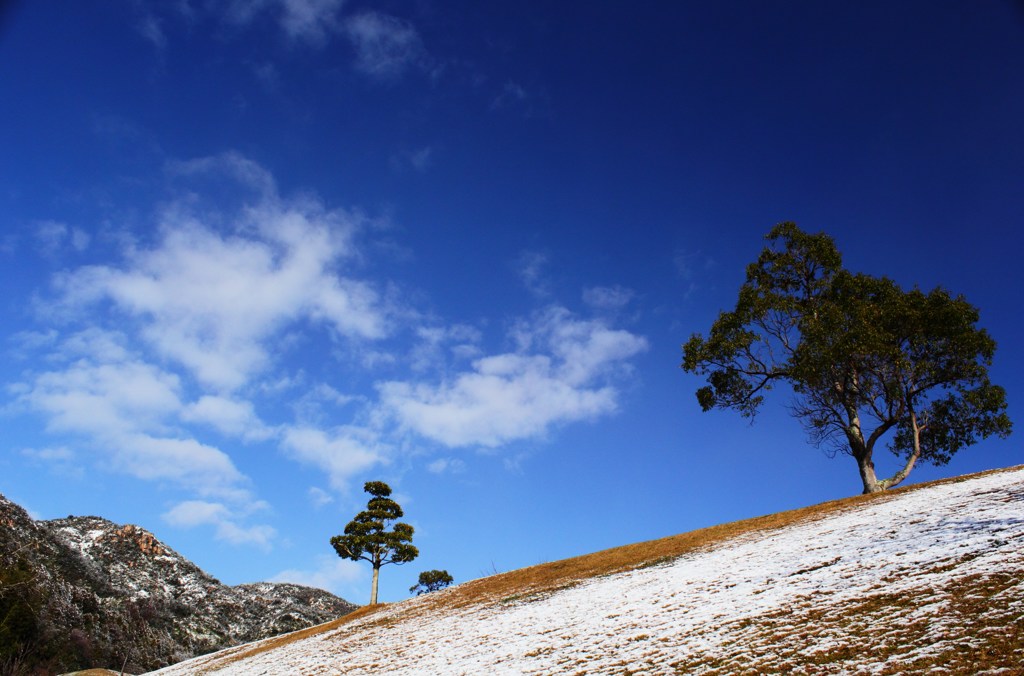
(810, 584)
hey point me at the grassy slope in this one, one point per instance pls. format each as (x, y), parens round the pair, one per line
(1002, 649)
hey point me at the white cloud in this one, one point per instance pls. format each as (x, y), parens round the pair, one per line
(332, 573)
(231, 417)
(198, 466)
(210, 305)
(558, 374)
(385, 46)
(193, 333)
(341, 453)
(194, 513)
(104, 399)
(96, 344)
(128, 409)
(212, 300)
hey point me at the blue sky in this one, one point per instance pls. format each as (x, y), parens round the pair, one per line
(255, 254)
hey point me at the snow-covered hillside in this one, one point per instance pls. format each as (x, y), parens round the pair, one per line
(908, 582)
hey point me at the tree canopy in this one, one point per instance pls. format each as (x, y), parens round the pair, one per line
(866, 360)
(367, 537)
(431, 581)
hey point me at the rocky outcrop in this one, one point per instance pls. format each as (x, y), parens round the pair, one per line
(84, 592)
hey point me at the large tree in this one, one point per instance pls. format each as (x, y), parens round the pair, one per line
(367, 537)
(866, 360)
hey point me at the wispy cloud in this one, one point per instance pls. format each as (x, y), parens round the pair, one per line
(184, 351)
(419, 160)
(511, 93)
(444, 465)
(385, 46)
(330, 572)
(232, 417)
(150, 27)
(341, 453)
(53, 238)
(196, 513)
(531, 102)
(160, 356)
(607, 298)
(689, 266)
(531, 266)
(211, 299)
(310, 21)
(60, 459)
(561, 372)
(437, 345)
(127, 408)
(319, 497)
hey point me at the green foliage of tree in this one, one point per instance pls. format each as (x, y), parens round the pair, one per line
(367, 537)
(863, 357)
(431, 581)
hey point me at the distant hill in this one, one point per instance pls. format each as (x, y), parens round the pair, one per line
(926, 579)
(85, 592)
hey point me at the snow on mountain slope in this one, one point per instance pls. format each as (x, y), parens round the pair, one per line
(915, 581)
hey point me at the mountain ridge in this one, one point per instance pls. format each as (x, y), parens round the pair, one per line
(83, 591)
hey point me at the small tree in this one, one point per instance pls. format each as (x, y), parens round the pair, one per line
(864, 357)
(431, 581)
(367, 537)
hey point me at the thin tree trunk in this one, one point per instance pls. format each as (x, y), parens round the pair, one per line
(899, 476)
(868, 476)
(862, 453)
(373, 589)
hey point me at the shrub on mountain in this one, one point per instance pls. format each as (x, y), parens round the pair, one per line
(432, 580)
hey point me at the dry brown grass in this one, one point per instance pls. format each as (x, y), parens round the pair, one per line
(543, 579)
(1003, 650)
(250, 649)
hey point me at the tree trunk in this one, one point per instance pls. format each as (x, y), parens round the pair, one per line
(373, 589)
(868, 476)
(871, 481)
(867, 469)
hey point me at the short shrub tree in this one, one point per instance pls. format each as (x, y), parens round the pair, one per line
(431, 581)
